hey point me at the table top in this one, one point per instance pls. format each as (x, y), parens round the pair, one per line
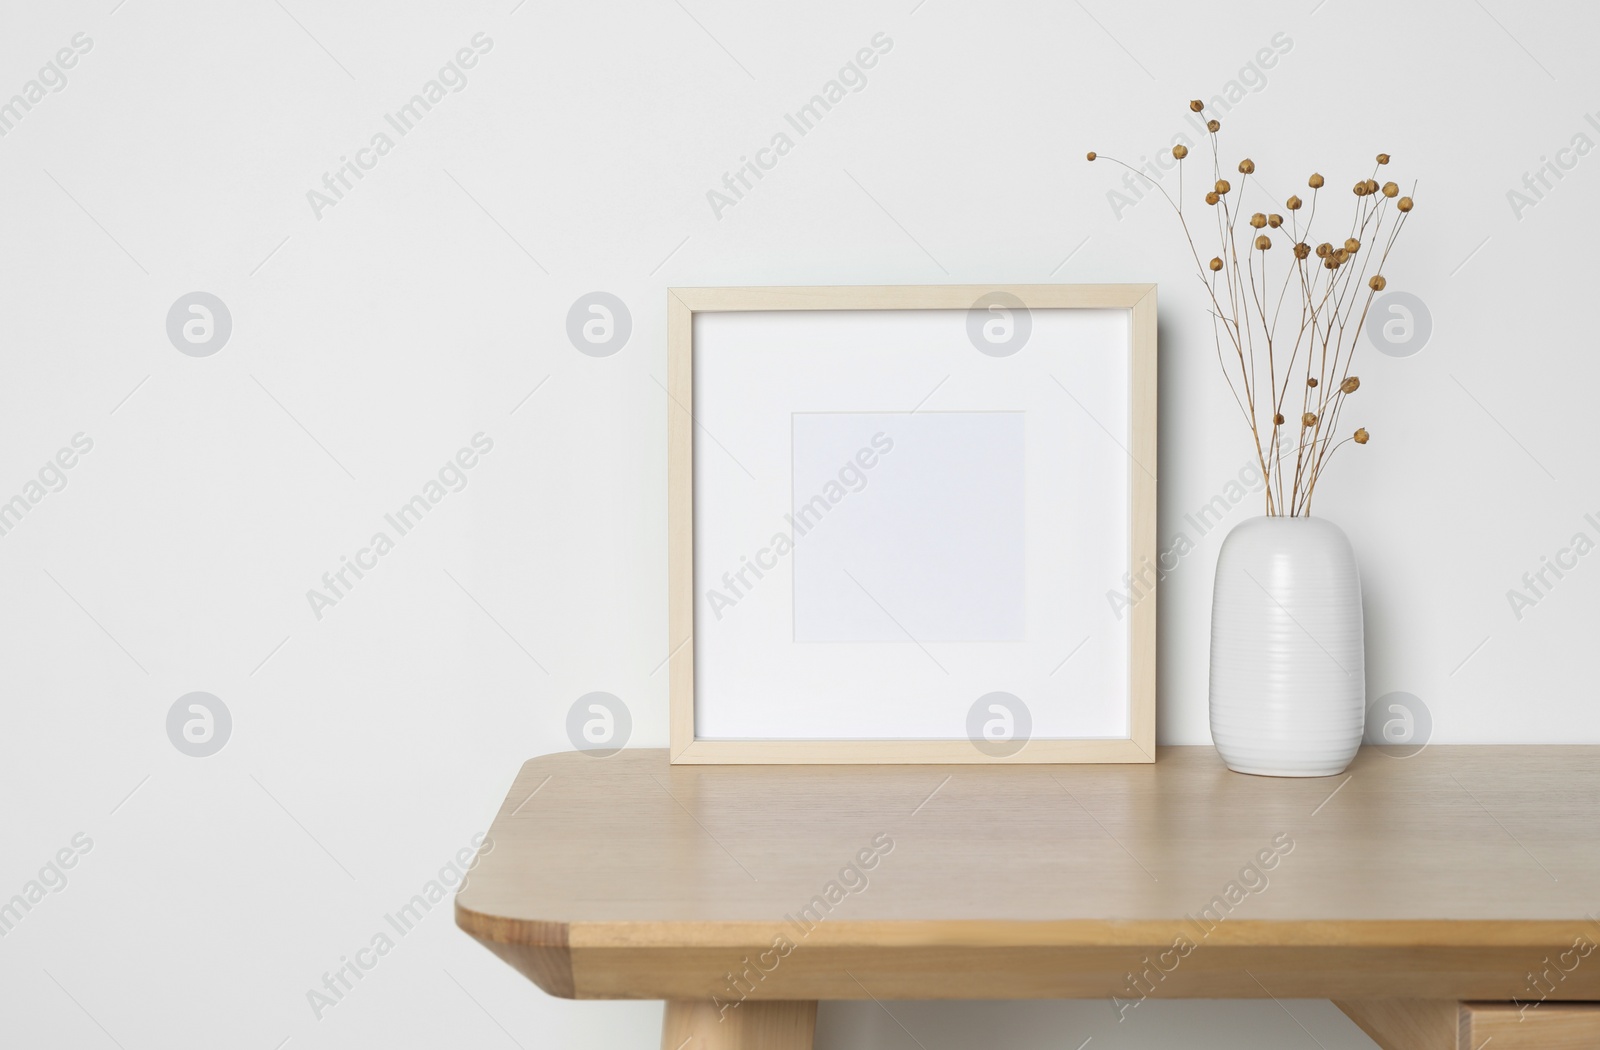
(625, 876)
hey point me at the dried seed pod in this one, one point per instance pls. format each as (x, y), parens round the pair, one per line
(1352, 245)
(1383, 158)
(1361, 436)
(1263, 242)
(1377, 283)
(1215, 264)
(1258, 220)
(1091, 154)
(1340, 256)
(1324, 250)
(1312, 382)
(1390, 190)
(1247, 166)
(1212, 198)
(1222, 187)
(1315, 182)
(1274, 220)
(1195, 105)
(1180, 151)
(1293, 203)
(1302, 250)
(1309, 419)
(1213, 126)
(1277, 419)
(1350, 385)
(1361, 188)
(1404, 204)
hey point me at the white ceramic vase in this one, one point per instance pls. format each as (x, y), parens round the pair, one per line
(1288, 674)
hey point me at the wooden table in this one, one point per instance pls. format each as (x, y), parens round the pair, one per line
(1439, 900)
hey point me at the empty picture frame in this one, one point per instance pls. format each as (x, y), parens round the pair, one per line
(912, 524)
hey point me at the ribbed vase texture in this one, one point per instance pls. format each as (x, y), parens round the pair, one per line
(1288, 675)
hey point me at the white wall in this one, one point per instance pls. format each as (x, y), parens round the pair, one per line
(372, 342)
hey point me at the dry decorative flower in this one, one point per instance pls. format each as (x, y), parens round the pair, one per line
(1250, 317)
(1091, 154)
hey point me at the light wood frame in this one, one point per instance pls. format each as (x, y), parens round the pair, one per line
(684, 303)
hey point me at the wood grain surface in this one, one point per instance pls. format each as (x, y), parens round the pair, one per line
(1453, 874)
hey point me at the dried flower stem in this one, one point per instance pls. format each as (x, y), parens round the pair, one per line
(1245, 315)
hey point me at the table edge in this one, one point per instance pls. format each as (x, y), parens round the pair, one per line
(1024, 933)
(654, 960)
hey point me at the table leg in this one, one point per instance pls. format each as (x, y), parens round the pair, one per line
(1434, 1024)
(752, 1025)
(1406, 1024)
